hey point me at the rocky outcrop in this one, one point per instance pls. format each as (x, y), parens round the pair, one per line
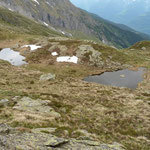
(61, 49)
(87, 52)
(14, 139)
(36, 106)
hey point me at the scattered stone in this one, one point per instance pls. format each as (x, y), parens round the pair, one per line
(55, 43)
(63, 49)
(143, 48)
(55, 142)
(55, 114)
(114, 146)
(89, 142)
(36, 106)
(4, 129)
(53, 48)
(122, 76)
(47, 77)
(132, 49)
(4, 102)
(84, 134)
(16, 98)
(17, 45)
(44, 130)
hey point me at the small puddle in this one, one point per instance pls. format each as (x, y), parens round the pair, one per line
(122, 78)
(12, 56)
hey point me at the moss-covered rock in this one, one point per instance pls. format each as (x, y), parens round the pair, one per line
(17, 140)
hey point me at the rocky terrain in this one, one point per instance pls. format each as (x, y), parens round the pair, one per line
(47, 105)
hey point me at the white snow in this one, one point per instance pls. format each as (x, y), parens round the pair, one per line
(54, 53)
(10, 9)
(72, 59)
(36, 1)
(32, 47)
(45, 24)
(12, 56)
(63, 32)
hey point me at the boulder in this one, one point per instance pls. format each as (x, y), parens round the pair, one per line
(87, 52)
(4, 102)
(36, 106)
(47, 77)
(143, 48)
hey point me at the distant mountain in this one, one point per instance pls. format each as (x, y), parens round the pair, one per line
(63, 15)
(141, 23)
(133, 13)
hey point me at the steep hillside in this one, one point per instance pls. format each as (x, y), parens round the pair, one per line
(62, 14)
(13, 25)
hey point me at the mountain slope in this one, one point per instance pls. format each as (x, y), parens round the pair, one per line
(62, 14)
(13, 25)
(133, 13)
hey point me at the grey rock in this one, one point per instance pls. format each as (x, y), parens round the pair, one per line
(89, 142)
(44, 130)
(53, 48)
(143, 48)
(4, 129)
(47, 77)
(16, 46)
(4, 102)
(61, 48)
(44, 141)
(84, 134)
(36, 106)
(54, 142)
(88, 52)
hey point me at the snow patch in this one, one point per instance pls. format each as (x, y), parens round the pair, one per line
(10, 9)
(54, 53)
(45, 24)
(12, 56)
(72, 59)
(32, 47)
(36, 2)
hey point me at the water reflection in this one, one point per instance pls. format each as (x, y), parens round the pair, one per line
(122, 78)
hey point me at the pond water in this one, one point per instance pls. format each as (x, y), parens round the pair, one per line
(12, 56)
(122, 78)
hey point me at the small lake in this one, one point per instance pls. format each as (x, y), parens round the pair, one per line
(122, 78)
(12, 56)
